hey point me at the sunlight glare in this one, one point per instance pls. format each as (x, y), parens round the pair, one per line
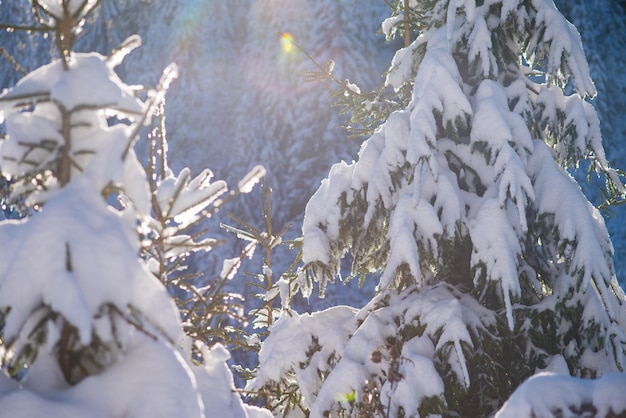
(286, 42)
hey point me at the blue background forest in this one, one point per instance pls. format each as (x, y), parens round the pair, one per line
(242, 100)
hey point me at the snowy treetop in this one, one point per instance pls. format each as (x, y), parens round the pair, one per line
(66, 124)
(66, 87)
(540, 33)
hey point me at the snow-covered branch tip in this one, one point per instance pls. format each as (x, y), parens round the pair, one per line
(117, 55)
(247, 183)
(155, 98)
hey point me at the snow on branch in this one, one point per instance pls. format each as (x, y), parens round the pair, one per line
(302, 348)
(548, 394)
(558, 42)
(582, 240)
(94, 236)
(66, 87)
(395, 347)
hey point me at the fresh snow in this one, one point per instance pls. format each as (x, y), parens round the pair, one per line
(461, 161)
(149, 380)
(445, 318)
(74, 263)
(548, 394)
(67, 88)
(322, 334)
(83, 258)
(425, 210)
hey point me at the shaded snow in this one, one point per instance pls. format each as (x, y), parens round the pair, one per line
(547, 394)
(151, 380)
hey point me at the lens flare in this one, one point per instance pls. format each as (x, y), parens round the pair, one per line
(286, 42)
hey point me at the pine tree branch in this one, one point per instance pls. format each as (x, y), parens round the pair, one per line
(25, 28)
(13, 61)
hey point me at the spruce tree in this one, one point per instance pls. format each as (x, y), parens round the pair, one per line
(86, 327)
(491, 263)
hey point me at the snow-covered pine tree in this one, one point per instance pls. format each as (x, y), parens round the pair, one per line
(606, 53)
(493, 265)
(87, 330)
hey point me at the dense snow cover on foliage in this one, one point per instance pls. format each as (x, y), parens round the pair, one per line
(240, 94)
(549, 394)
(493, 272)
(462, 200)
(149, 380)
(88, 330)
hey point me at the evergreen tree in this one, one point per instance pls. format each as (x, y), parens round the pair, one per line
(87, 328)
(602, 25)
(492, 263)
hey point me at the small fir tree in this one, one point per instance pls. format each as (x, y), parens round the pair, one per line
(492, 263)
(87, 327)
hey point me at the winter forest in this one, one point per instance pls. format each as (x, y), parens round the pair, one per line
(312, 208)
